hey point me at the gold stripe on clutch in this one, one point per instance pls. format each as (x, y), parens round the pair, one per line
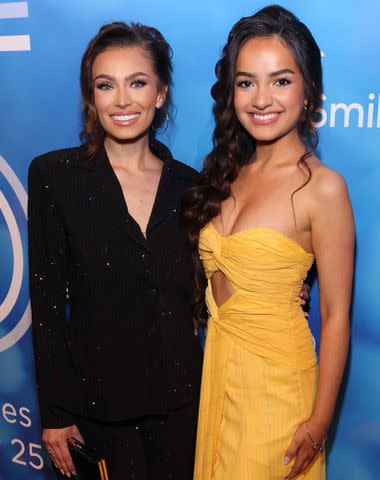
(105, 469)
(101, 470)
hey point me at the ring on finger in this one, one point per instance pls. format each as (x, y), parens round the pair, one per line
(51, 451)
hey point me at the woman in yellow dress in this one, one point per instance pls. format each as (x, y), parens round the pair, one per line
(265, 208)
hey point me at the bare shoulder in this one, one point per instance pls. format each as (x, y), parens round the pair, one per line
(326, 183)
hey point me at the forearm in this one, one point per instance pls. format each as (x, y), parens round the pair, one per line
(332, 359)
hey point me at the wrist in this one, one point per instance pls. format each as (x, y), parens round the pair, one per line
(319, 422)
(318, 444)
(317, 428)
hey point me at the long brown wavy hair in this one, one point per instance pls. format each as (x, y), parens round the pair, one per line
(233, 147)
(120, 34)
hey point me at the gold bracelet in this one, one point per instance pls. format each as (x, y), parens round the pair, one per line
(317, 446)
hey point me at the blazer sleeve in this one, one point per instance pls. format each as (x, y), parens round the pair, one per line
(48, 270)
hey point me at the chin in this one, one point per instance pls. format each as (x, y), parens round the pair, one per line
(266, 138)
(261, 136)
(126, 136)
(268, 134)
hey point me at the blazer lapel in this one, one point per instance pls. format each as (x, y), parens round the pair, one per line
(108, 190)
(111, 191)
(165, 201)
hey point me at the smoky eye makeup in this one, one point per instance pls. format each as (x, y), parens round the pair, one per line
(138, 83)
(283, 81)
(243, 83)
(103, 85)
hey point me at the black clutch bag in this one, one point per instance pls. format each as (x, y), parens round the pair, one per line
(88, 464)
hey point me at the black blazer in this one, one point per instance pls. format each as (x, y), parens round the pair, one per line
(112, 321)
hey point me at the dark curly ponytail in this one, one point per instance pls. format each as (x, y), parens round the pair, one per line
(233, 147)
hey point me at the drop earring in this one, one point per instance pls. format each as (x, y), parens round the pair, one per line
(165, 115)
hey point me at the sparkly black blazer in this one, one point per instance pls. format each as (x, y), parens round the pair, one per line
(112, 323)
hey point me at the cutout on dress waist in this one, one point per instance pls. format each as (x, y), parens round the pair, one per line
(221, 284)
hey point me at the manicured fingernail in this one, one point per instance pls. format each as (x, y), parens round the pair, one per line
(63, 473)
(286, 460)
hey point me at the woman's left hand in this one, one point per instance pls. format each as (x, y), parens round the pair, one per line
(302, 449)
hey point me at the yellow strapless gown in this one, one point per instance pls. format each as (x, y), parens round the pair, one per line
(259, 372)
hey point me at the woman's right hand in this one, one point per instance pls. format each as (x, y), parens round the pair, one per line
(55, 440)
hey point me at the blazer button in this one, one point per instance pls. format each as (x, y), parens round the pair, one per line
(154, 291)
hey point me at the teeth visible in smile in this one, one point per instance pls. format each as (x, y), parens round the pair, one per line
(125, 118)
(267, 116)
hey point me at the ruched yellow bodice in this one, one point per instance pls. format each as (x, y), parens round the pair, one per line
(259, 373)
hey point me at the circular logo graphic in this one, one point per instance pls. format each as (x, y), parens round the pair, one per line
(13, 292)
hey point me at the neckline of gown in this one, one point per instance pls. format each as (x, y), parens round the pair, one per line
(270, 229)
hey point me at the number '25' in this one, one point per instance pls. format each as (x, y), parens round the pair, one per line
(36, 461)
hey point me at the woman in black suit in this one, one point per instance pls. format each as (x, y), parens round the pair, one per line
(117, 361)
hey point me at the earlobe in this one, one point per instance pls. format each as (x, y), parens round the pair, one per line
(161, 97)
(160, 101)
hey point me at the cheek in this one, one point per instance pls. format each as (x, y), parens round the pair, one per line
(293, 99)
(240, 101)
(147, 98)
(101, 100)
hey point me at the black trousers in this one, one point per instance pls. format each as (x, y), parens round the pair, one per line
(150, 448)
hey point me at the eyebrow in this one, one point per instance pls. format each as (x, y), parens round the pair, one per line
(129, 77)
(271, 75)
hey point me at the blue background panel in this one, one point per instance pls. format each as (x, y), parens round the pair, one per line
(40, 111)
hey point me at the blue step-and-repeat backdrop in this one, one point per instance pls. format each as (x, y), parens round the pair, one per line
(41, 43)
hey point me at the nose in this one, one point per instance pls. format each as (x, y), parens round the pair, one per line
(262, 98)
(122, 97)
